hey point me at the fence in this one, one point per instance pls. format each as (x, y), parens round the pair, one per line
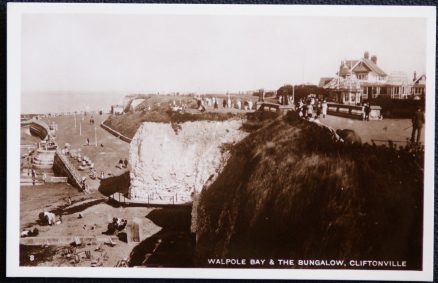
(353, 111)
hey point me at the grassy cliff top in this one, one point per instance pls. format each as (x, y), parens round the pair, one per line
(127, 124)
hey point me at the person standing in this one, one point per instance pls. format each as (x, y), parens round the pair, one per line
(33, 177)
(324, 108)
(83, 184)
(417, 124)
(318, 108)
(367, 112)
(309, 112)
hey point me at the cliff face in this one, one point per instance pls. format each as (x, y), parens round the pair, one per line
(290, 191)
(170, 162)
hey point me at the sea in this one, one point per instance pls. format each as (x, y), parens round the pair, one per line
(56, 102)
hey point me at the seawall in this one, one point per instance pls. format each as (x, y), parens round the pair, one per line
(39, 129)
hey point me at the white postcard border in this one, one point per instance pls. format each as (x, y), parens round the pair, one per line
(17, 10)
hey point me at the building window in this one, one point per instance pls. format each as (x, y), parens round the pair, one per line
(361, 76)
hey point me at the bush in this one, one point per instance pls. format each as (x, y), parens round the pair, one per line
(397, 108)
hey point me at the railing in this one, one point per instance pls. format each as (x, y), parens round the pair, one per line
(154, 199)
(168, 198)
(75, 176)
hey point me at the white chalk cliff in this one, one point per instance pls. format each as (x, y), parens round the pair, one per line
(167, 166)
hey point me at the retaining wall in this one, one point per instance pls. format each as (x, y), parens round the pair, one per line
(115, 133)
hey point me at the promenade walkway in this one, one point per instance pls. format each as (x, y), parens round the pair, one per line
(105, 155)
(397, 130)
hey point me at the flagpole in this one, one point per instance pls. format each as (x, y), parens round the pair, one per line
(95, 136)
(80, 128)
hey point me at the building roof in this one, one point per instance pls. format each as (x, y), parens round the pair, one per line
(324, 81)
(373, 67)
(333, 83)
(417, 81)
(398, 78)
(361, 68)
(350, 65)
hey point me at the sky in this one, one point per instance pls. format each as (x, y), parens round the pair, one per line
(76, 54)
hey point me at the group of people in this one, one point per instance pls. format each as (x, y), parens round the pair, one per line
(118, 224)
(175, 107)
(229, 103)
(122, 163)
(312, 108)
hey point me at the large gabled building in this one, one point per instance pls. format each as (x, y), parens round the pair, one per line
(363, 79)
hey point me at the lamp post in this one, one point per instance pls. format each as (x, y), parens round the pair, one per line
(75, 120)
(80, 128)
(293, 94)
(95, 137)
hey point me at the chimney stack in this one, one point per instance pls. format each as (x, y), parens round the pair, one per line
(366, 55)
(374, 59)
(415, 76)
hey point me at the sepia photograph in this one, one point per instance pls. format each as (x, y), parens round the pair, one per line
(221, 141)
